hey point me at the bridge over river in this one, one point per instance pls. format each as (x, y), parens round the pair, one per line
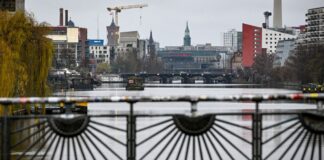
(185, 78)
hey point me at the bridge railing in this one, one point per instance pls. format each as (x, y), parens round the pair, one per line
(253, 133)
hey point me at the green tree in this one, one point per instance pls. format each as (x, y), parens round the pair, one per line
(25, 56)
(102, 68)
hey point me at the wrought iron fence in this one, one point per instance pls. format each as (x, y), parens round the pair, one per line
(271, 134)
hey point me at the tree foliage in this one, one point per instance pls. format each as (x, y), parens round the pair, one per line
(306, 64)
(25, 56)
(262, 68)
(153, 65)
(102, 68)
(127, 63)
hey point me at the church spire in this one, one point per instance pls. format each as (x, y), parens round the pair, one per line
(113, 22)
(151, 38)
(187, 38)
(187, 29)
(151, 46)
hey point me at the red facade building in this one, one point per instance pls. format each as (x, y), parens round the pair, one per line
(252, 44)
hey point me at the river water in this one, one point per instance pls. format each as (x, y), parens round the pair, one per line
(166, 137)
(180, 90)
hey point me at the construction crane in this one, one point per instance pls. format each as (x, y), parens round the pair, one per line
(118, 9)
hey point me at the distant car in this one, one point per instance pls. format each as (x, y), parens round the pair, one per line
(312, 88)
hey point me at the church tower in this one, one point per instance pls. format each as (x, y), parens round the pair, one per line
(113, 34)
(187, 39)
(151, 46)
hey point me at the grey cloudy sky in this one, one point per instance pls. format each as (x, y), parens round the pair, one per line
(208, 19)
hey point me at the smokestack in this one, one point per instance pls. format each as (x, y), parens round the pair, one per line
(66, 17)
(61, 16)
(277, 14)
(267, 14)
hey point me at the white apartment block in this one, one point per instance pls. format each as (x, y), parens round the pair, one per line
(100, 53)
(233, 39)
(270, 39)
(315, 25)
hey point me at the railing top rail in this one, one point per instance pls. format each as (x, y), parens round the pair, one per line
(192, 99)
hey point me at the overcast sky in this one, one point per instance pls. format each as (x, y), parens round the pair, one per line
(208, 19)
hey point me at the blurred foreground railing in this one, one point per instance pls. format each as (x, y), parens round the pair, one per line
(257, 134)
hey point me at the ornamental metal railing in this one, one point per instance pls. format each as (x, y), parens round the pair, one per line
(216, 134)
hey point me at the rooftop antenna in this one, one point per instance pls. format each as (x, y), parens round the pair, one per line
(97, 26)
(140, 16)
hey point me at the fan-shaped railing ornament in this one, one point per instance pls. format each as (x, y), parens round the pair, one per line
(194, 125)
(313, 121)
(69, 125)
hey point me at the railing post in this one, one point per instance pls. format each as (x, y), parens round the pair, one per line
(320, 106)
(194, 108)
(131, 134)
(257, 134)
(5, 139)
(68, 108)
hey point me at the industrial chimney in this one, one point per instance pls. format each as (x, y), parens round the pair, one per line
(267, 14)
(61, 16)
(277, 14)
(66, 17)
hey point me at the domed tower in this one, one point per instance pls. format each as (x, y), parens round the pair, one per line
(113, 34)
(187, 38)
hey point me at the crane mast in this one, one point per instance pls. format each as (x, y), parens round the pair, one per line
(118, 9)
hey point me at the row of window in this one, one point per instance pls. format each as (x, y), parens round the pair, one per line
(274, 34)
(99, 56)
(270, 42)
(93, 52)
(123, 49)
(273, 46)
(98, 47)
(278, 38)
(205, 59)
